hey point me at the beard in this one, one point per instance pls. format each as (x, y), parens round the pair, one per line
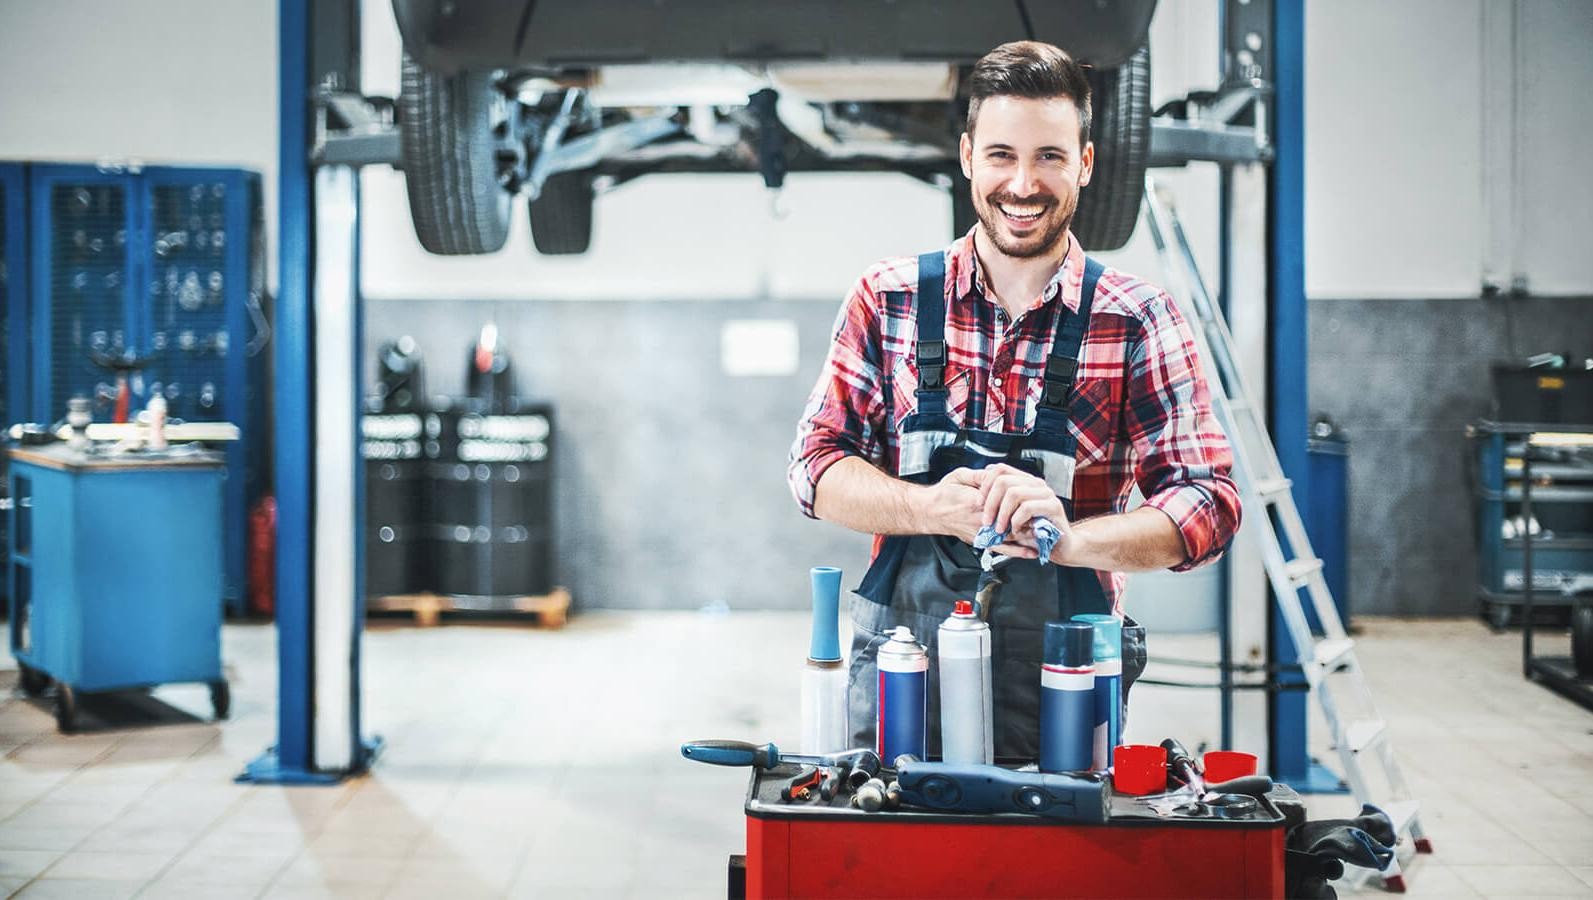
(1050, 231)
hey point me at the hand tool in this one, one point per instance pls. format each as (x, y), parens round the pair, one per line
(824, 674)
(1083, 797)
(801, 786)
(767, 756)
(865, 765)
(833, 782)
(903, 696)
(966, 705)
(870, 797)
(1182, 766)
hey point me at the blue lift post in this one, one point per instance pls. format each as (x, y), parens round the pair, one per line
(318, 708)
(1287, 391)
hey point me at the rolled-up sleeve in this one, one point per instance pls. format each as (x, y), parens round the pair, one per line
(846, 409)
(1183, 459)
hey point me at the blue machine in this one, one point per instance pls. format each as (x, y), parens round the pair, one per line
(101, 601)
(159, 270)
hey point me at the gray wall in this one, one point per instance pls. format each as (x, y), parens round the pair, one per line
(1403, 377)
(670, 476)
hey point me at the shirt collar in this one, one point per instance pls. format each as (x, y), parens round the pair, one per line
(964, 275)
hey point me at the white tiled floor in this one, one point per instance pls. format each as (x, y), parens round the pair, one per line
(528, 763)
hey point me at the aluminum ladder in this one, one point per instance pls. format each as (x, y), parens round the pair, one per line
(1331, 668)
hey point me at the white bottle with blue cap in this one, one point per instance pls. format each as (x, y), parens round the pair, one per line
(824, 676)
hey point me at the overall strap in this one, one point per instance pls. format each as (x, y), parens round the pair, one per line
(1063, 363)
(930, 354)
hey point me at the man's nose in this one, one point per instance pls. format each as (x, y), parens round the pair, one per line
(1024, 181)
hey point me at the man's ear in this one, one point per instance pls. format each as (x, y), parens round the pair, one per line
(1087, 164)
(965, 155)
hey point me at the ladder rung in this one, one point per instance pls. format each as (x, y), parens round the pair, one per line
(1363, 734)
(1301, 570)
(1331, 654)
(1273, 487)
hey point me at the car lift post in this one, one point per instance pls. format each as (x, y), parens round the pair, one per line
(319, 475)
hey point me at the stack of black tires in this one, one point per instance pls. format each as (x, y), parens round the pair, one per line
(459, 501)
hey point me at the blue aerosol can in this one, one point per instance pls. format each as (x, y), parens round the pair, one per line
(967, 734)
(903, 696)
(1067, 698)
(1108, 686)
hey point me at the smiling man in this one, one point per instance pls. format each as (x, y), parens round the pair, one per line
(1005, 378)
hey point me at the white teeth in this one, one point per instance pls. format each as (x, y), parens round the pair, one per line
(1032, 212)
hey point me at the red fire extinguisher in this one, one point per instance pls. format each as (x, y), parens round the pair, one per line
(263, 557)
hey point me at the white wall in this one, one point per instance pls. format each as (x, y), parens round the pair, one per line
(168, 82)
(1444, 140)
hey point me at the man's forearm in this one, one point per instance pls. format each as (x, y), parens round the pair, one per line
(1136, 541)
(855, 493)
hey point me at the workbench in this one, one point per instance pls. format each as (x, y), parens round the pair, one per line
(826, 849)
(116, 577)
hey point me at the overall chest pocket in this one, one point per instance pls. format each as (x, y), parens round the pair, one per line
(904, 388)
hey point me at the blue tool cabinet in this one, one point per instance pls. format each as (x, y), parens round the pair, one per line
(116, 572)
(164, 265)
(13, 317)
(1562, 500)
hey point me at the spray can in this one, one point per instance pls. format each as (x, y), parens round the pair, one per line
(157, 421)
(966, 732)
(824, 676)
(1108, 686)
(1067, 698)
(903, 696)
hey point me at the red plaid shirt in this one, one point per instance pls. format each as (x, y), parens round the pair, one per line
(1141, 408)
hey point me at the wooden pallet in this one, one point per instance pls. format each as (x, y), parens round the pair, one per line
(550, 610)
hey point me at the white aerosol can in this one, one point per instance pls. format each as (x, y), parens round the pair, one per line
(824, 675)
(966, 722)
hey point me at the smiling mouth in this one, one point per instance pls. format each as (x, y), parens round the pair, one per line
(1022, 215)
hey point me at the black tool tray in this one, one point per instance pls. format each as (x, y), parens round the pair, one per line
(763, 802)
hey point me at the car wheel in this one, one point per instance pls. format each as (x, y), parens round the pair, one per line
(561, 216)
(453, 133)
(1120, 109)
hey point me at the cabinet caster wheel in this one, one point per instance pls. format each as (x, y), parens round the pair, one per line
(34, 683)
(220, 698)
(65, 708)
(1582, 639)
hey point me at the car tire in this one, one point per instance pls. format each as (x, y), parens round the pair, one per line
(561, 216)
(449, 131)
(1120, 110)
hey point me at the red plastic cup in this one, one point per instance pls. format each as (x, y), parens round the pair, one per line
(1139, 769)
(1225, 765)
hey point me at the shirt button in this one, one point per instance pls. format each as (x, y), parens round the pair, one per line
(996, 381)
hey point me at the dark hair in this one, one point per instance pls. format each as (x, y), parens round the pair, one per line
(1033, 70)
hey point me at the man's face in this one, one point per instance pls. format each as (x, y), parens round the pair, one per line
(1026, 168)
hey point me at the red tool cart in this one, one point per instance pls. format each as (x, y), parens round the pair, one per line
(819, 849)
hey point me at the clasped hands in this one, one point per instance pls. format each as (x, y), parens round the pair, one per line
(1001, 496)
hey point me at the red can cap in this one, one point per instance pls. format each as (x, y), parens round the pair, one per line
(963, 608)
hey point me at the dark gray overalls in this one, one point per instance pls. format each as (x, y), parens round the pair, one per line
(914, 580)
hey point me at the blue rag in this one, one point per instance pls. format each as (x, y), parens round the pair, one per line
(1045, 535)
